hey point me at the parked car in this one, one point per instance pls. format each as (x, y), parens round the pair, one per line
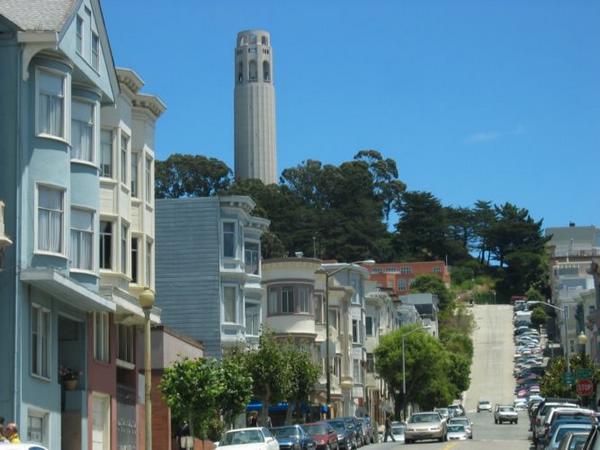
(368, 431)
(456, 410)
(258, 438)
(457, 432)
(463, 421)
(563, 429)
(324, 435)
(573, 440)
(425, 425)
(484, 405)
(444, 412)
(398, 431)
(345, 434)
(293, 437)
(505, 413)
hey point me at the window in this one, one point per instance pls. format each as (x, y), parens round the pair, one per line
(437, 270)
(356, 286)
(303, 299)
(405, 270)
(252, 257)
(79, 34)
(287, 300)
(356, 371)
(149, 186)
(51, 104)
(134, 259)
(355, 332)
(370, 363)
(126, 336)
(240, 77)
(401, 284)
(124, 230)
(82, 238)
(252, 319)
(149, 263)
(369, 325)
(37, 425)
(228, 239)
(252, 71)
(318, 299)
(263, 40)
(95, 51)
(40, 341)
(229, 304)
(134, 174)
(82, 131)
(273, 302)
(124, 143)
(50, 220)
(266, 71)
(106, 163)
(337, 366)
(106, 245)
(101, 337)
(333, 318)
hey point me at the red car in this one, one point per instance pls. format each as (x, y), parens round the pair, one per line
(323, 434)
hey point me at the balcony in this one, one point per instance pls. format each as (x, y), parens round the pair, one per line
(293, 324)
(232, 333)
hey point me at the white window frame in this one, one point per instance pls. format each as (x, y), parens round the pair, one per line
(112, 154)
(106, 429)
(134, 175)
(127, 333)
(124, 165)
(259, 316)
(102, 335)
(112, 244)
(148, 264)
(236, 303)
(95, 57)
(258, 258)
(235, 239)
(93, 232)
(135, 258)
(303, 302)
(65, 219)
(66, 78)
(355, 331)
(44, 416)
(290, 304)
(95, 121)
(124, 231)
(39, 311)
(79, 34)
(149, 185)
(372, 320)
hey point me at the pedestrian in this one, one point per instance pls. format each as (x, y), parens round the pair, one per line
(3, 440)
(11, 433)
(388, 429)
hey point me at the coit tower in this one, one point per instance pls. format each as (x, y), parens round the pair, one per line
(254, 107)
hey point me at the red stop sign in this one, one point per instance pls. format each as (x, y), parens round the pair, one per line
(585, 388)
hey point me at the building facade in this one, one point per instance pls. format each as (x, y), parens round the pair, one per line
(208, 268)
(254, 108)
(60, 310)
(399, 276)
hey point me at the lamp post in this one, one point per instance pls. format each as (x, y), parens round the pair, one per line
(582, 339)
(421, 328)
(328, 275)
(146, 300)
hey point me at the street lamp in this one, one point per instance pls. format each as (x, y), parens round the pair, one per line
(146, 300)
(328, 275)
(404, 363)
(582, 339)
(562, 310)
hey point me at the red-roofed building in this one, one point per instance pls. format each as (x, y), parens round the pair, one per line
(399, 276)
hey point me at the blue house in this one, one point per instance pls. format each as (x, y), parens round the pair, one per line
(208, 269)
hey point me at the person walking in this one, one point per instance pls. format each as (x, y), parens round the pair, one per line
(11, 433)
(388, 429)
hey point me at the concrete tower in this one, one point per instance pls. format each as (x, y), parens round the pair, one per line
(254, 108)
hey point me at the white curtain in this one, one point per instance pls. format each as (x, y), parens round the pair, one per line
(82, 130)
(81, 239)
(51, 104)
(50, 216)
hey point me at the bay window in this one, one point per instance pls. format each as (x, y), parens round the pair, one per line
(106, 239)
(252, 255)
(230, 304)
(289, 300)
(148, 177)
(101, 337)
(82, 131)
(82, 237)
(40, 341)
(124, 230)
(106, 154)
(134, 174)
(124, 144)
(134, 259)
(252, 319)
(229, 239)
(50, 220)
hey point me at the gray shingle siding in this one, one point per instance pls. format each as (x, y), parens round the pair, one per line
(187, 268)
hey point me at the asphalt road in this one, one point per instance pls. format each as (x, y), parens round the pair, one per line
(491, 379)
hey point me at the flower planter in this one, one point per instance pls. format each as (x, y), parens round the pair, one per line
(70, 385)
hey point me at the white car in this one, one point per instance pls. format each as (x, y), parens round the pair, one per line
(484, 405)
(257, 438)
(457, 432)
(23, 446)
(398, 431)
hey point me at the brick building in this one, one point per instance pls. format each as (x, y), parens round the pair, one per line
(399, 276)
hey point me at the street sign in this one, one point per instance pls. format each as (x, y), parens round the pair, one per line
(568, 378)
(582, 374)
(585, 388)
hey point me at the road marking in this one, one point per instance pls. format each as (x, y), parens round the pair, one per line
(450, 445)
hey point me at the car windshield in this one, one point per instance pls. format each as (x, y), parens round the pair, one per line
(421, 418)
(484, 403)
(284, 432)
(460, 421)
(241, 437)
(564, 430)
(507, 408)
(442, 410)
(338, 426)
(315, 429)
(455, 428)
(577, 440)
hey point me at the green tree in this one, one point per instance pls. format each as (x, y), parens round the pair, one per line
(539, 316)
(190, 176)
(552, 383)
(270, 372)
(434, 285)
(533, 294)
(304, 373)
(484, 217)
(237, 389)
(192, 388)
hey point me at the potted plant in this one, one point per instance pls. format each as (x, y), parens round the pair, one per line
(69, 378)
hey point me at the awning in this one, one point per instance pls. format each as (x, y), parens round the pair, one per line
(66, 290)
(127, 305)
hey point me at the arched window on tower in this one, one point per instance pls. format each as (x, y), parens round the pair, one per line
(266, 71)
(252, 71)
(264, 41)
(240, 74)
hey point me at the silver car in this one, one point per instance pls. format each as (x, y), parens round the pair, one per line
(463, 421)
(457, 432)
(425, 425)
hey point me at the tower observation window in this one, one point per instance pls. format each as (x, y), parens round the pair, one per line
(266, 71)
(252, 71)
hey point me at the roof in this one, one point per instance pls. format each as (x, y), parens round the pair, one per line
(38, 15)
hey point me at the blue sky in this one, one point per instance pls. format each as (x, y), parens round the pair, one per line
(495, 100)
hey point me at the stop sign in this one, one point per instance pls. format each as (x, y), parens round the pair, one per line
(585, 388)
